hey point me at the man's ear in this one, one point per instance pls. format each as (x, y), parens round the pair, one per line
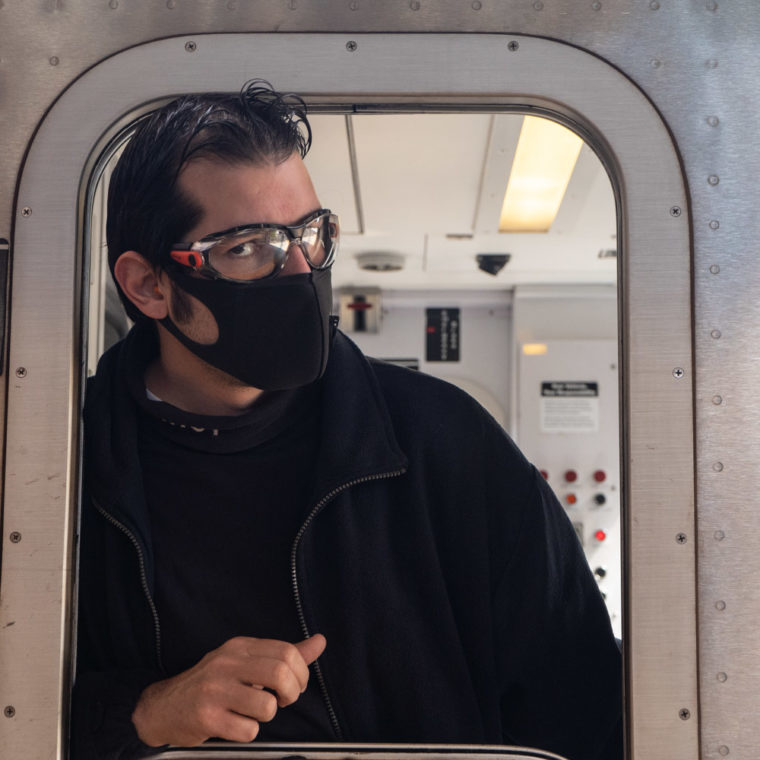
(140, 283)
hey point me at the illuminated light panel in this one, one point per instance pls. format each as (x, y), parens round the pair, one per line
(534, 349)
(544, 161)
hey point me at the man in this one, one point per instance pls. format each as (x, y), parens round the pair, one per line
(280, 538)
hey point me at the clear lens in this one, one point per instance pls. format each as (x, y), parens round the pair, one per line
(257, 253)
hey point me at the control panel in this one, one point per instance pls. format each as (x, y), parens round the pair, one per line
(567, 425)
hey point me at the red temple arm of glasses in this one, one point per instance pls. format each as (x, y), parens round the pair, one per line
(187, 258)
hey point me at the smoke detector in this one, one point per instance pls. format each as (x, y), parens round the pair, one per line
(380, 261)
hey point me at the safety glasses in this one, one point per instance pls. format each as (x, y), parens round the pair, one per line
(259, 251)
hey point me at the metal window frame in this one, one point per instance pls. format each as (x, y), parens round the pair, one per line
(406, 70)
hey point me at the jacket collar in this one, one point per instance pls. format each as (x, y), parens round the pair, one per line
(356, 440)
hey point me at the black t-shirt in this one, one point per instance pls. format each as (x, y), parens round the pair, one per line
(226, 497)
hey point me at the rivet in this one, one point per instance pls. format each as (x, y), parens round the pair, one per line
(414, 5)
(538, 5)
(9, 711)
(113, 5)
(717, 400)
(351, 46)
(678, 373)
(675, 211)
(477, 5)
(26, 212)
(681, 538)
(716, 334)
(715, 269)
(513, 46)
(596, 6)
(684, 714)
(54, 60)
(714, 224)
(720, 605)
(654, 5)
(718, 466)
(722, 677)
(655, 63)
(20, 371)
(711, 63)
(713, 180)
(191, 46)
(713, 121)
(171, 4)
(723, 750)
(15, 537)
(353, 6)
(719, 535)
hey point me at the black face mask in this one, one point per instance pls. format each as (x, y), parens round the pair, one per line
(273, 334)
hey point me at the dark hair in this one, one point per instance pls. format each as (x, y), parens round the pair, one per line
(146, 211)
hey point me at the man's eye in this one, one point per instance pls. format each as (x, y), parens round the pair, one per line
(243, 249)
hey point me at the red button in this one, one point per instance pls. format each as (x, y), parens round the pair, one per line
(571, 498)
(571, 476)
(600, 535)
(600, 476)
(544, 474)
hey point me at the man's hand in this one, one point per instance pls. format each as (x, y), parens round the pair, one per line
(226, 695)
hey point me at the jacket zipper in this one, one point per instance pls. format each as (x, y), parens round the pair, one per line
(297, 593)
(143, 578)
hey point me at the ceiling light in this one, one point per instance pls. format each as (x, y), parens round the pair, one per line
(543, 164)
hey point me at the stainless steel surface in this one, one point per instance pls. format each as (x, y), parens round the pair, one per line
(355, 752)
(693, 61)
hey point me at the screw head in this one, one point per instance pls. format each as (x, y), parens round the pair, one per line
(191, 46)
(675, 211)
(596, 6)
(714, 224)
(54, 60)
(681, 538)
(678, 373)
(26, 212)
(718, 466)
(9, 711)
(719, 535)
(684, 714)
(713, 180)
(351, 46)
(414, 5)
(15, 537)
(477, 5)
(21, 372)
(513, 46)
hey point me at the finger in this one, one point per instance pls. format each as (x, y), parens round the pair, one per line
(252, 702)
(312, 647)
(280, 650)
(236, 728)
(274, 674)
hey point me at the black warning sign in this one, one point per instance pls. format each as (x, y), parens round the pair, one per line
(569, 389)
(442, 335)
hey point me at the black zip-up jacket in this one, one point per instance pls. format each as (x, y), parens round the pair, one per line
(455, 598)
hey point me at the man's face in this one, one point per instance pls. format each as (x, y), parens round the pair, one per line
(230, 196)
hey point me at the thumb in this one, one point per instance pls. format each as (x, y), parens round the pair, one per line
(312, 647)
